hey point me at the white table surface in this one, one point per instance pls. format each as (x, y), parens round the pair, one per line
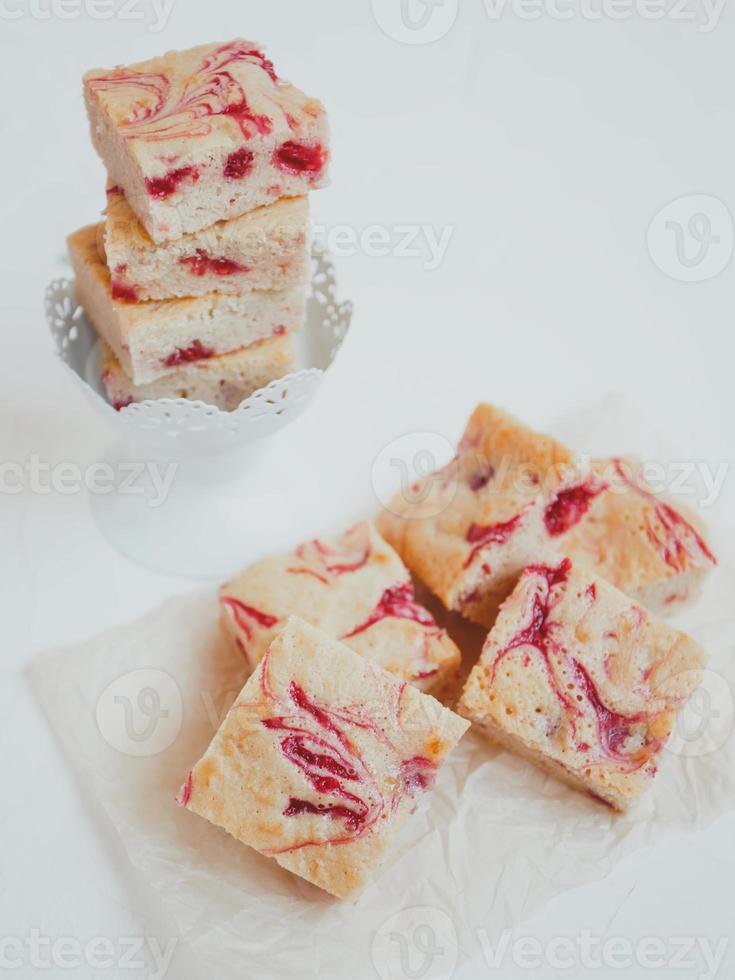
(547, 147)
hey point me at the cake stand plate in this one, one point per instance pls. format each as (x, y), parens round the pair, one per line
(187, 496)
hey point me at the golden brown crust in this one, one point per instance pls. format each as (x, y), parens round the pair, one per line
(82, 245)
(497, 434)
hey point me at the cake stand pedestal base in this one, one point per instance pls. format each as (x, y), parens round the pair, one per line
(195, 519)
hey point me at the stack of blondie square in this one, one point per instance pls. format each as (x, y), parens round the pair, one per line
(339, 729)
(196, 278)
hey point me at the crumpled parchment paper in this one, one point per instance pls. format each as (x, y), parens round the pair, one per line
(494, 841)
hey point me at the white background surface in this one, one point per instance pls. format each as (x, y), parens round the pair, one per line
(547, 147)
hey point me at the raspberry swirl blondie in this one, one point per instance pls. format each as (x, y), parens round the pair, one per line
(581, 680)
(321, 759)
(204, 135)
(468, 529)
(512, 497)
(356, 589)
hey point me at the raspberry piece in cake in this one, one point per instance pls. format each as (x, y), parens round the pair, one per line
(580, 679)
(204, 135)
(468, 529)
(650, 549)
(265, 249)
(321, 759)
(155, 338)
(224, 381)
(353, 587)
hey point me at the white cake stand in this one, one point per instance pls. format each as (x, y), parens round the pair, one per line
(195, 507)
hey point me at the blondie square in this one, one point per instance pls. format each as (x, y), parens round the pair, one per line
(265, 249)
(204, 135)
(321, 759)
(468, 529)
(224, 381)
(640, 542)
(512, 497)
(356, 589)
(156, 338)
(581, 680)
